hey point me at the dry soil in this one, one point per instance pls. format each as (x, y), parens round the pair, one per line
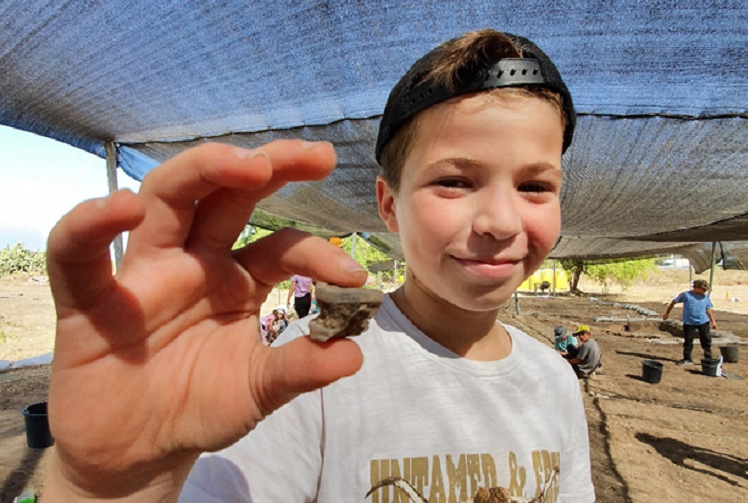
(682, 440)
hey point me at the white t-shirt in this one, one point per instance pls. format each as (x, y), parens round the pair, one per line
(445, 424)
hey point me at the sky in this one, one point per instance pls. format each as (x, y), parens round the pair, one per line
(41, 180)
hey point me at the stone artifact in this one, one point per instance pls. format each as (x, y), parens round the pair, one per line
(343, 312)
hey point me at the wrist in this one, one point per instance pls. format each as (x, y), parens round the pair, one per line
(162, 487)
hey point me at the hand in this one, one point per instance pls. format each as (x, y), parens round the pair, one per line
(164, 360)
(714, 325)
(664, 316)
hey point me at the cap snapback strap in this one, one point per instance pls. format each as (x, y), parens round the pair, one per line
(508, 72)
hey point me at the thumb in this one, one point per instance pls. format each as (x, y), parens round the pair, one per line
(303, 365)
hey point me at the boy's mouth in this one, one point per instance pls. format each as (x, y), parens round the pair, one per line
(489, 267)
(488, 260)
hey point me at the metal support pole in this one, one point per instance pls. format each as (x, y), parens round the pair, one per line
(711, 270)
(690, 274)
(553, 295)
(111, 171)
(516, 303)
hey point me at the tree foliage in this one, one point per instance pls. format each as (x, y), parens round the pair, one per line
(609, 272)
(19, 260)
(365, 253)
(574, 269)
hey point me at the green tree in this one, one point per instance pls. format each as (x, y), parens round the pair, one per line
(365, 253)
(574, 269)
(609, 272)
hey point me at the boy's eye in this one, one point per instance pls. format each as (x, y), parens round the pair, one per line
(536, 187)
(451, 183)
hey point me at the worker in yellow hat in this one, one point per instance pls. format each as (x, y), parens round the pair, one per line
(587, 363)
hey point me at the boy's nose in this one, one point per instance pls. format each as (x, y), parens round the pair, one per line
(498, 216)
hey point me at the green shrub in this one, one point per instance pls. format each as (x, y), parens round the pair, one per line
(18, 260)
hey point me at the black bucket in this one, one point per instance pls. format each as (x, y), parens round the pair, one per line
(729, 353)
(38, 435)
(709, 366)
(651, 371)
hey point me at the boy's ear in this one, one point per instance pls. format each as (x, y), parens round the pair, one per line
(386, 204)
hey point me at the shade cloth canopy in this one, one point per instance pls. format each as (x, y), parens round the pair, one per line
(660, 151)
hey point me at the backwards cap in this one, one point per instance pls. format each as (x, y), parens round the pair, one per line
(408, 97)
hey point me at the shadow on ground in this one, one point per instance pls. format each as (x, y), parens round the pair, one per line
(680, 453)
(17, 480)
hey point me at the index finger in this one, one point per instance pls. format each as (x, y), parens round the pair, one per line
(170, 192)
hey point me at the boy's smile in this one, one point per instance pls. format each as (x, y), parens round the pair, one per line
(478, 205)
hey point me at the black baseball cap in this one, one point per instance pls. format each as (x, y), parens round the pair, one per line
(410, 96)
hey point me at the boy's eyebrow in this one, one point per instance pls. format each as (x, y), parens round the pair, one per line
(456, 162)
(543, 167)
(532, 169)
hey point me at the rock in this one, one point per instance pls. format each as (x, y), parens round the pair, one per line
(344, 312)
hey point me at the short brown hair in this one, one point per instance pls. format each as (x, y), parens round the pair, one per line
(455, 57)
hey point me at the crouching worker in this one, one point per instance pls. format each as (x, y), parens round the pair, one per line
(587, 361)
(564, 343)
(273, 325)
(448, 399)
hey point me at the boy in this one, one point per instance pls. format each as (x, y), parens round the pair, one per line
(697, 315)
(450, 400)
(565, 344)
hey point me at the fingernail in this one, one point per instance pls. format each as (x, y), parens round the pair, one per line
(312, 144)
(243, 153)
(350, 265)
(101, 202)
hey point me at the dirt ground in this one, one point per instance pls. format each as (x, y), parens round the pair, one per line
(682, 440)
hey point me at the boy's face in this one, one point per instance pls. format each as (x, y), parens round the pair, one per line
(478, 206)
(699, 290)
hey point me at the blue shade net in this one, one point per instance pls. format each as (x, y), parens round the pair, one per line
(658, 161)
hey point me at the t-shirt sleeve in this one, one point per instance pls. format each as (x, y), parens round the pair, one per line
(681, 298)
(709, 304)
(576, 475)
(557, 343)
